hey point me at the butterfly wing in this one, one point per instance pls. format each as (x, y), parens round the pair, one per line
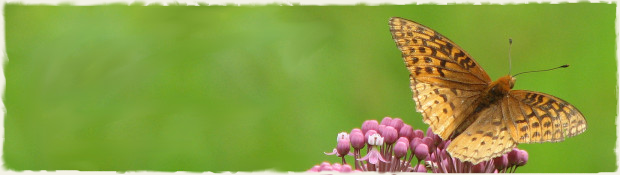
(445, 80)
(487, 137)
(537, 117)
(521, 117)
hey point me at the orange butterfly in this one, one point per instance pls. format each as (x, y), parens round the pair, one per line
(459, 101)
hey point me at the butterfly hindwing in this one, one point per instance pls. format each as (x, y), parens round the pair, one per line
(442, 108)
(539, 117)
(487, 137)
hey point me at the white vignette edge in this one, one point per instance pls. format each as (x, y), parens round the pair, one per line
(5, 58)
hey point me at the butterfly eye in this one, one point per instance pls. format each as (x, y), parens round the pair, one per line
(493, 89)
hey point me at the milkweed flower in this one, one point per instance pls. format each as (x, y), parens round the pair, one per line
(343, 147)
(374, 155)
(394, 146)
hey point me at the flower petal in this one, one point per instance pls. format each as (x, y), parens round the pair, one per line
(335, 151)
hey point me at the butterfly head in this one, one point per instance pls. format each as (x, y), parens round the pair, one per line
(511, 80)
(502, 85)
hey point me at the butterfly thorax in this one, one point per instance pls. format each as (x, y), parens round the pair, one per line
(499, 88)
(495, 91)
(491, 95)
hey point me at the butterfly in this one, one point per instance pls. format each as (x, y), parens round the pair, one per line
(483, 118)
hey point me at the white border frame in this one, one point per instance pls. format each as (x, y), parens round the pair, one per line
(258, 2)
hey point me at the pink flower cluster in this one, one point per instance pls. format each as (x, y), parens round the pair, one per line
(393, 146)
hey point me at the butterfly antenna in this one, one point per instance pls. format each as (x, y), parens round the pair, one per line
(562, 66)
(509, 59)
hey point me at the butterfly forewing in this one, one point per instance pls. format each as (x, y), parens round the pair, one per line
(444, 78)
(435, 59)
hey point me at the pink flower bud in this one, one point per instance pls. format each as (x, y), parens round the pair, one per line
(386, 120)
(397, 123)
(523, 156)
(406, 131)
(357, 140)
(429, 143)
(400, 149)
(420, 168)
(370, 125)
(429, 132)
(513, 158)
(415, 142)
(500, 162)
(432, 135)
(343, 147)
(380, 128)
(404, 140)
(418, 133)
(390, 135)
(421, 151)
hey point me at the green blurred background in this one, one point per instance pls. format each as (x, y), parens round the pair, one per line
(250, 88)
